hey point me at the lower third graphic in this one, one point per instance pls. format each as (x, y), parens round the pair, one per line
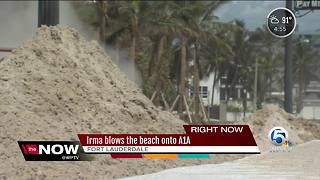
(52, 151)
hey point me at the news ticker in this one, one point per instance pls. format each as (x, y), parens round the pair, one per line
(198, 141)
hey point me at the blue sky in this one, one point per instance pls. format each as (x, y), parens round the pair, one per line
(254, 14)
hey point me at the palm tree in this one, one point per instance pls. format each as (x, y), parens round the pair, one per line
(196, 82)
(269, 50)
(207, 25)
(215, 55)
(158, 30)
(133, 12)
(196, 25)
(179, 22)
(162, 23)
(119, 12)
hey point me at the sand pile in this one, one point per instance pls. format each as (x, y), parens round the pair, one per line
(58, 82)
(58, 85)
(299, 130)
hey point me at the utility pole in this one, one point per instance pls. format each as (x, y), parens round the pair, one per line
(288, 69)
(48, 12)
(255, 85)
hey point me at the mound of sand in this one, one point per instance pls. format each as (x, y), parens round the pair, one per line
(58, 85)
(299, 130)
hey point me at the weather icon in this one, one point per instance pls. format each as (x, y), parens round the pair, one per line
(274, 19)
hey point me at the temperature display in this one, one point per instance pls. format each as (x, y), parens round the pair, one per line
(281, 22)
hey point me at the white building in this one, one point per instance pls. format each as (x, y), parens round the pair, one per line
(207, 90)
(218, 91)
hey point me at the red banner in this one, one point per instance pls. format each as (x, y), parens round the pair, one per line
(196, 135)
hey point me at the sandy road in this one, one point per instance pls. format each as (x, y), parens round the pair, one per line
(303, 162)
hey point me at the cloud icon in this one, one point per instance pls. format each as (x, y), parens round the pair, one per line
(274, 19)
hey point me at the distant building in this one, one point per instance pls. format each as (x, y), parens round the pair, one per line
(208, 92)
(214, 94)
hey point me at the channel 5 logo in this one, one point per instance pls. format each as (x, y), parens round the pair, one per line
(278, 136)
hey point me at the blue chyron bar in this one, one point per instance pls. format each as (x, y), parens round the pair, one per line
(193, 156)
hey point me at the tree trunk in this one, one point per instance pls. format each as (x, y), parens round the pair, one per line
(183, 69)
(196, 86)
(244, 101)
(152, 61)
(132, 51)
(158, 69)
(215, 79)
(117, 46)
(230, 86)
(102, 15)
(301, 89)
(134, 34)
(270, 85)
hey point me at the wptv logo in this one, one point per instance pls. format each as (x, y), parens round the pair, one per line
(51, 150)
(278, 136)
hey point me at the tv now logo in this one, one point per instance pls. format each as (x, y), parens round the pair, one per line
(56, 149)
